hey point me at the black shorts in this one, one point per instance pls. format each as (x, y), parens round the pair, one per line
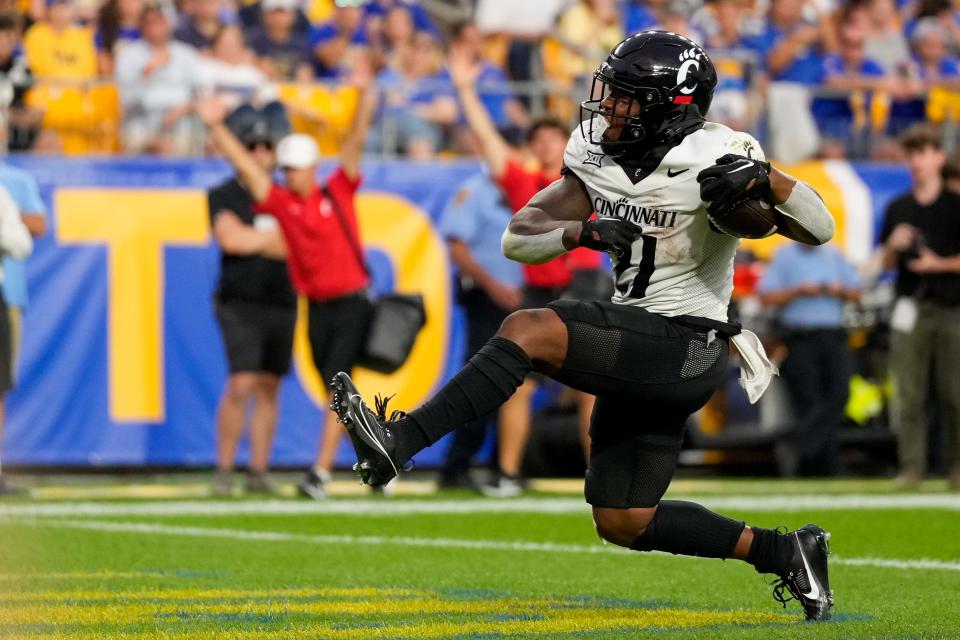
(338, 332)
(649, 374)
(6, 350)
(258, 337)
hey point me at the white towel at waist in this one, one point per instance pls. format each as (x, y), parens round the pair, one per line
(756, 370)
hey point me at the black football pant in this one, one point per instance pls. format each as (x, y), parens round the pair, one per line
(649, 374)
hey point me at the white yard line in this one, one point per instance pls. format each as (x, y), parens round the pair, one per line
(439, 543)
(366, 507)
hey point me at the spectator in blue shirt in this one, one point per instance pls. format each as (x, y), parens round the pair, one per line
(390, 32)
(374, 9)
(931, 67)
(639, 15)
(809, 286)
(737, 64)
(23, 190)
(845, 119)
(200, 21)
(417, 102)
(508, 113)
(489, 289)
(15, 240)
(281, 49)
(790, 44)
(330, 42)
(934, 65)
(22, 187)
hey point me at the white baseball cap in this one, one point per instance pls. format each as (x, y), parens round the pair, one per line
(297, 151)
(270, 5)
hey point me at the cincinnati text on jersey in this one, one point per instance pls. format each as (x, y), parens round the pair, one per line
(636, 214)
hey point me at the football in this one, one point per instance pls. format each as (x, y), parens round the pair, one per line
(752, 218)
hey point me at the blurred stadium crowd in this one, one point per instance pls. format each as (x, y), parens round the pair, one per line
(89, 76)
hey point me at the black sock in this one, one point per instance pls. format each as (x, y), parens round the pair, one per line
(688, 529)
(491, 376)
(770, 551)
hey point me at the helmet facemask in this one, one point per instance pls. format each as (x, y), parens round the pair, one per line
(635, 111)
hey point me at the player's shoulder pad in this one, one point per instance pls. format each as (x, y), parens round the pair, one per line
(744, 144)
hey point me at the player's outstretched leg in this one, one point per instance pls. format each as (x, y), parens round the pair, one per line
(533, 338)
(798, 558)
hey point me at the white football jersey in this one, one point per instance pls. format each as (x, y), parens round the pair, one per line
(679, 266)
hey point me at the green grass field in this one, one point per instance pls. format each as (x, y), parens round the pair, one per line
(99, 561)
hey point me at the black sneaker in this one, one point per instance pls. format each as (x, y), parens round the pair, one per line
(260, 482)
(314, 484)
(459, 480)
(370, 432)
(504, 486)
(806, 580)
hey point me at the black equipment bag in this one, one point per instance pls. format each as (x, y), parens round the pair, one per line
(395, 322)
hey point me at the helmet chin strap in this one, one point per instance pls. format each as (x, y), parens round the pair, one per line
(635, 139)
(634, 133)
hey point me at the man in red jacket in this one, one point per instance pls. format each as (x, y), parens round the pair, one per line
(319, 226)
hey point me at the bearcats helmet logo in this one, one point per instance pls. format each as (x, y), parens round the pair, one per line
(689, 59)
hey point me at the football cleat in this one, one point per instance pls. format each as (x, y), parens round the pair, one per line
(806, 579)
(370, 432)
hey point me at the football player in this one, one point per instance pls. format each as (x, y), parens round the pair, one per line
(662, 181)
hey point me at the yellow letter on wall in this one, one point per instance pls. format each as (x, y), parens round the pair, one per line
(135, 225)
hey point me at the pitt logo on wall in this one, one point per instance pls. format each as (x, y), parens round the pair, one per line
(135, 225)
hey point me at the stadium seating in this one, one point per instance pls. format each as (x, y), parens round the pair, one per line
(85, 119)
(320, 111)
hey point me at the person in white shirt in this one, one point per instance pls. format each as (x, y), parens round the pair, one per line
(156, 78)
(230, 72)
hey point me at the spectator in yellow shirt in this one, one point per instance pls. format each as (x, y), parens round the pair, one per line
(587, 29)
(57, 49)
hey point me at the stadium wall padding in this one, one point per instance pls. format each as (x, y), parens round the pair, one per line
(122, 362)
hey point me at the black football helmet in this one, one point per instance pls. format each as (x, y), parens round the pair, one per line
(667, 74)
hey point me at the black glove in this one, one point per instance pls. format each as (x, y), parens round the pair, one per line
(734, 179)
(609, 234)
